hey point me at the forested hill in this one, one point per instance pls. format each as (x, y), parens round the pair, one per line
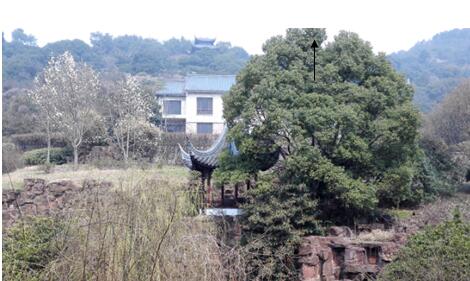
(23, 59)
(436, 66)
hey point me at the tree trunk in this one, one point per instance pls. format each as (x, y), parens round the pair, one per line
(75, 157)
(48, 130)
(126, 154)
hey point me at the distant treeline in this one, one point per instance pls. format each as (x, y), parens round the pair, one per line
(437, 66)
(23, 59)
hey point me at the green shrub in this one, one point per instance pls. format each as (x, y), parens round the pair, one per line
(28, 247)
(438, 253)
(11, 159)
(37, 140)
(38, 156)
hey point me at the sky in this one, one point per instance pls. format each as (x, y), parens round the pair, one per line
(389, 26)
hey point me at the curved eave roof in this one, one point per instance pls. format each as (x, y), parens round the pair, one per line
(194, 157)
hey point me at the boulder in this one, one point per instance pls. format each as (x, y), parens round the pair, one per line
(340, 231)
(344, 258)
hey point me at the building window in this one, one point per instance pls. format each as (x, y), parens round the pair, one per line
(204, 106)
(174, 125)
(172, 107)
(204, 128)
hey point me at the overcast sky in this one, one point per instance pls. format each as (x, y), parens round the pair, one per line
(389, 25)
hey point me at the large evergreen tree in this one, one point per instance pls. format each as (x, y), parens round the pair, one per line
(341, 138)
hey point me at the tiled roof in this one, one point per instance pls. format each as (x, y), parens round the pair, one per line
(172, 87)
(220, 83)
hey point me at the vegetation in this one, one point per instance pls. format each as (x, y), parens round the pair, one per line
(36, 140)
(23, 59)
(341, 147)
(144, 230)
(67, 93)
(446, 136)
(57, 155)
(436, 66)
(29, 247)
(450, 119)
(19, 112)
(277, 216)
(437, 253)
(346, 142)
(11, 158)
(176, 175)
(129, 108)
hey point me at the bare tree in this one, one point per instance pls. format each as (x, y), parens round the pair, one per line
(129, 107)
(450, 120)
(68, 92)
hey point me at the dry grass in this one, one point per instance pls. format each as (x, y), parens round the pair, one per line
(437, 212)
(376, 235)
(119, 177)
(146, 229)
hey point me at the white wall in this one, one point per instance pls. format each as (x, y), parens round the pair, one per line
(192, 118)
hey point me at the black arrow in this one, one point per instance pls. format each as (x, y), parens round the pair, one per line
(314, 45)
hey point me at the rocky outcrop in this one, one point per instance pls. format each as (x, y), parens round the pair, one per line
(41, 198)
(341, 256)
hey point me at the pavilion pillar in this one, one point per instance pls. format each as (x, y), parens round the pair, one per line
(222, 195)
(203, 182)
(236, 193)
(209, 179)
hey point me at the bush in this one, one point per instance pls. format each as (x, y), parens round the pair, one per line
(59, 156)
(37, 140)
(11, 159)
(28, 248)
(438, 253)
(276, 216)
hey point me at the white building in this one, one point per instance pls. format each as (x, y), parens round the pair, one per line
(194, 104)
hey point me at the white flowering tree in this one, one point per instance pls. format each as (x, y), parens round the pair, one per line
(39, 96)
(68, 92)
(130, 107)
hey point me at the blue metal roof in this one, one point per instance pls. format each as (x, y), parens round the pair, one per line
(219, 83)
(172, 87)
(197, 83)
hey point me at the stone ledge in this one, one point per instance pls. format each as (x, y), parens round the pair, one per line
(41, 198)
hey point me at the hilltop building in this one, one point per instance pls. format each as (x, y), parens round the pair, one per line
(193, 105)
(201, 43)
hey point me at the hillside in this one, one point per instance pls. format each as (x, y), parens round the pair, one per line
(436, 66)
(23, 59)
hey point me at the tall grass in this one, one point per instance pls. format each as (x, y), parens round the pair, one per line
(147, 231)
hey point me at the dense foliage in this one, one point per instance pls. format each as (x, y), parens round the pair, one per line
(36, 140)
(19, 112)
(346, 142)
(446, 137)
(436, 66)
(344, 135)
(277, 216)
(28, 247)
(440, 253)
(59, 155)
(23, 59)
